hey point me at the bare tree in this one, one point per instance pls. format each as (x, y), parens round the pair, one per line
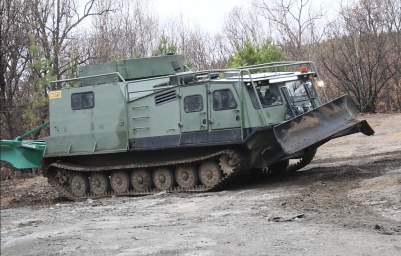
(201, 49)
(57, 22)
(38, 39)
(13, 64)
(392, 20)
(244, 25)
(219, 52)
(359, 53)
(294, 24)
(178, 30)
(131, 31)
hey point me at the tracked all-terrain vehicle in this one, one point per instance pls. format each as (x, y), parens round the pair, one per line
(139, 126)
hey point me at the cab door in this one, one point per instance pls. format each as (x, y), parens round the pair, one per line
(194, 108)
(224, 104)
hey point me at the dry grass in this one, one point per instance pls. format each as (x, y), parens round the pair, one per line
(5, 174)
(7, 201)
(10, 173)
(26, 190)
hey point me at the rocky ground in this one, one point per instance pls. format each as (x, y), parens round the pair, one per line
(346, 202)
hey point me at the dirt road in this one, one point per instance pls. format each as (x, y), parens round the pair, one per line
(347, 202)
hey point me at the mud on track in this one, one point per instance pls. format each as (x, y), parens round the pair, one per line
(346, 202)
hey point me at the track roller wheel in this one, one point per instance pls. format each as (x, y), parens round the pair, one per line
(163, 178)
(120, 182)
(186, 176)
(141, 179)
(226, 164)
(99, 183)
(61, 176)
(79, 184)
(209, 173)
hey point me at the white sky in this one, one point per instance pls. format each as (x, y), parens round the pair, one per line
(208, 14)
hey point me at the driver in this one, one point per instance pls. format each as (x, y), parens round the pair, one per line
(270, 97)
(300, 91)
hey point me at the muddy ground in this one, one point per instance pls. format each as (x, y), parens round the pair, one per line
(346, 202)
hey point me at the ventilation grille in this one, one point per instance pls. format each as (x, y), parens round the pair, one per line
(165, 98)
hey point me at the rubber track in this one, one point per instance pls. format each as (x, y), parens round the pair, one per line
(304, 161)
(240, 163)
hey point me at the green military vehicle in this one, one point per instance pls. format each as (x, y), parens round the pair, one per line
(139, 126)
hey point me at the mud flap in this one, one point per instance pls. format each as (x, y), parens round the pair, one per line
(332, 120)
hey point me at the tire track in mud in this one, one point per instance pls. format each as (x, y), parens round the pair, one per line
(323, 194)
(382, 156)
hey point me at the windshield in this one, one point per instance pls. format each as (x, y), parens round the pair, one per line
(297, 90)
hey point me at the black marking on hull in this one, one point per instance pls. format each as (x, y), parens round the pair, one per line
(191, 139)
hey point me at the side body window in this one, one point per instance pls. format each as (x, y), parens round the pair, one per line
(83, 100)
(223, 99)
(193, 103)
(268, 95)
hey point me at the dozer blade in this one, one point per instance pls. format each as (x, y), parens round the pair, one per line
(22, 154)
(334, 119)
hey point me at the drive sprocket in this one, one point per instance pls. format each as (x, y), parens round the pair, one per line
(304, 161)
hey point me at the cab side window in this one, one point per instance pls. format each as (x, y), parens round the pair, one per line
(223, 99)
(83, 100)
(193, 103)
